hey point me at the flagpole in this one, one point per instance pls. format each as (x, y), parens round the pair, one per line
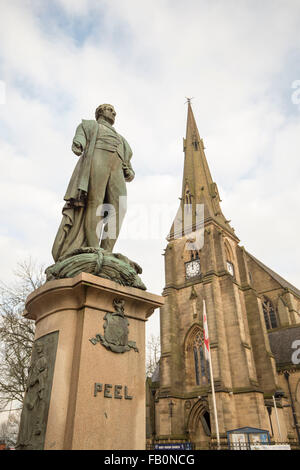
(277, 419)
(207, 345)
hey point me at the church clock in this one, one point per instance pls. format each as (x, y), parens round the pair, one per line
(192, 269)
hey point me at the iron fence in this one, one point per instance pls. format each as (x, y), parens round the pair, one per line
(290, 445)
(225, 445)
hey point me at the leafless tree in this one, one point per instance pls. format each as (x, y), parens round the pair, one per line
(16, 332)
(152, 354)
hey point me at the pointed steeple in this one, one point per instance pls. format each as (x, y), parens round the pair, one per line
(198, 186)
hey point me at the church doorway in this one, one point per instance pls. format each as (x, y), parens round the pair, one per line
(199, 426)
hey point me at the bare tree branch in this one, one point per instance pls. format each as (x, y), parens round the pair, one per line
(16, 332)
(152, 354)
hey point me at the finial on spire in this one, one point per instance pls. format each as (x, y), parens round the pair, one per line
(189, 100)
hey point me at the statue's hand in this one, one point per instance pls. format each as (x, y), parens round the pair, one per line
(77, 148)
(128, 173)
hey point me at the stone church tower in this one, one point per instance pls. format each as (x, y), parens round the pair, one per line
(247, 304)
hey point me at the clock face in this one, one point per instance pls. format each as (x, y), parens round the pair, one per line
(192, 268)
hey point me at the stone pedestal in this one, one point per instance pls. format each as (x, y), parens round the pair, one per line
(87, 396)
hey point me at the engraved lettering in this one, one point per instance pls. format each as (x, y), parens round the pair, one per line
(107, 388)
(126, 396)
(118, 389)
(97, 388)
(107, 391)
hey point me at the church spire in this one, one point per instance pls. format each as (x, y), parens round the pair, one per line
(198, 186)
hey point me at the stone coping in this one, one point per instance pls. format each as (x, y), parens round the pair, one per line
(96, 283)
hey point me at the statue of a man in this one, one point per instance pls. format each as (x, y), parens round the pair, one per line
(98, 181)
(33, 414)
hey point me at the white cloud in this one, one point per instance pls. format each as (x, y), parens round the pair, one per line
(145, 57)
(75, 7)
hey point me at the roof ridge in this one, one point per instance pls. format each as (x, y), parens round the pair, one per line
(276, 276)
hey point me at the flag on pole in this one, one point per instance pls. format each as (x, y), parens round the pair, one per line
(205, 333)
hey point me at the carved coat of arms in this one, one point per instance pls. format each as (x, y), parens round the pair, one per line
(116, 331)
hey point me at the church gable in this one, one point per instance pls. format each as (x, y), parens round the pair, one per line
(270, 279)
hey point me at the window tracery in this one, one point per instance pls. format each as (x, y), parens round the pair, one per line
(200, 361)
(269, 314)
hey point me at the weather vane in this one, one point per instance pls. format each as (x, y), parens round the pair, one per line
(189, 100)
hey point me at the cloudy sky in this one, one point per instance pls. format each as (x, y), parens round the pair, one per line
(59, 59)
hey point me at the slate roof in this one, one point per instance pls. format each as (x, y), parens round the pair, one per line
(281, 341)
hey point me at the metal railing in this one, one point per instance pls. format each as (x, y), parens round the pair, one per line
(225, 445)
(287, 445)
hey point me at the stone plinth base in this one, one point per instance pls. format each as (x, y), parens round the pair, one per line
(83, 394)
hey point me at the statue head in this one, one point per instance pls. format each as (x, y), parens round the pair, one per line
(107, 112)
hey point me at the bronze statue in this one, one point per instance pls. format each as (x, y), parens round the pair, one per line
(98, 178)
(96, 201)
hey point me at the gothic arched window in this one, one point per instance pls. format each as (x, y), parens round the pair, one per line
(229, 258)
(200, 361)
(230, 267)
(269, 314)
(194, 254)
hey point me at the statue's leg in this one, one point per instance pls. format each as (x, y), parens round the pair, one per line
(99, 176)
(116, 196)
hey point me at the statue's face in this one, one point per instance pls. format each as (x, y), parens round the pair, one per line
(109, 113)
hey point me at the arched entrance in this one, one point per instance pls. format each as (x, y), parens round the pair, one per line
(198, 425)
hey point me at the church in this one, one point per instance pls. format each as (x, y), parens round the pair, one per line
(253, 319)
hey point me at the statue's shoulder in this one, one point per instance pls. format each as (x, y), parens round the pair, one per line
(89, 124)
(89, 127)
